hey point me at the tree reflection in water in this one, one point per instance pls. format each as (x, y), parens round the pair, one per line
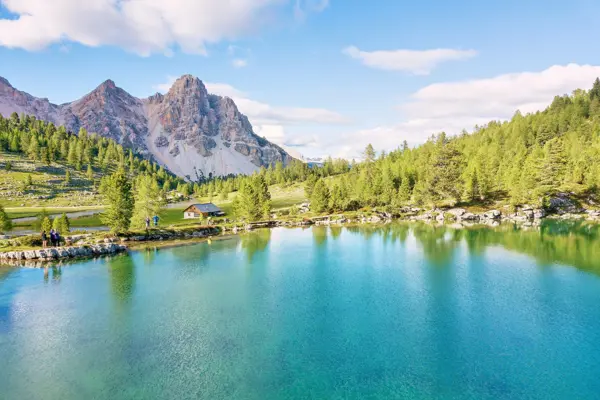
(320, 234)
(575, 243)
(254, 242)
(122, 277)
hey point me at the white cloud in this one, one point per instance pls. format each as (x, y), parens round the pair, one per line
(273, 133)
(501, 96)
(418, 62)
(454, 106)
(239, 63)
(140, 26)
(264, 114)
(224, 89)
(165, 86)
(303, 7)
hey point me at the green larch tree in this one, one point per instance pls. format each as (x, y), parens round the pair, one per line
(116, 190)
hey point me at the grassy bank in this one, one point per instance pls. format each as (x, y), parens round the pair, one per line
(48, 186)
(282, 198)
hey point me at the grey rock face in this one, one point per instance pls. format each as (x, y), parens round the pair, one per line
(190, 116)
(492, 214)
(562, 203)
(161, 141)
(457, 212)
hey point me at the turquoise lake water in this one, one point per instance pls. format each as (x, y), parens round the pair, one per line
(394, 312)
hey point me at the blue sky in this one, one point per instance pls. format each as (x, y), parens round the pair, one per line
(320, 77)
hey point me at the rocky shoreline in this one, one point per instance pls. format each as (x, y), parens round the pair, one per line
(39, 257)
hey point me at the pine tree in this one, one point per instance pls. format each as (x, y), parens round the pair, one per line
(149, 200)
(224, 195)
(369, 153)
(404, 191)
(45, 155)
(245, 203)
(67, 178)
(264, 196)
(338, 199)
(33, 151)
(309, 185)
(253, 200)
(89, 173)
(72, 154)
(41, 217)
(116, 191)
(56, 224)
(553, 169)
(46, 224)
(471, 185)
(443, 180)
(29, 181)
(595, 92)
(319, 201)
(388, 188)
(185, 190)
(65, 224)
(5, 222)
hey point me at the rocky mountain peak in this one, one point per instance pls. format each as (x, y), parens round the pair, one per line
(188, 86)
(5, 82)
(108, 84)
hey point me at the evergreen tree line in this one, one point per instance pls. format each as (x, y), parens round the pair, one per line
(295, 171)
(42, 141)
(522, 161)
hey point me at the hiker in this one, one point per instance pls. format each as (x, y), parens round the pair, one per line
(155, 218)
(147, 223)
(52, 238)
(44, 239)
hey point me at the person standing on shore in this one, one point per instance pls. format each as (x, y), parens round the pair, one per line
(44, 239)
(147, 223)
(155, 218)
(52, 238)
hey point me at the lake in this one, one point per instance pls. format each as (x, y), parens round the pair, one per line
(401, 311)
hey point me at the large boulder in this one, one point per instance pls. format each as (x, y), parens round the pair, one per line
(30, 254)
(562, 203)
(457, 212)
(492, 214)
(469, 217)
(52, 253)
(539, 213)
(62, 252)
(41, 253)
(375, 218)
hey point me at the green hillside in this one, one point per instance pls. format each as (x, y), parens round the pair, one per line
(526, 160)
(28, 183)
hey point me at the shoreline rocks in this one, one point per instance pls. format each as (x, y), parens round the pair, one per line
(61, 253)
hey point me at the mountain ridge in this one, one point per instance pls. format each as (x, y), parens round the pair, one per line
(188, 130)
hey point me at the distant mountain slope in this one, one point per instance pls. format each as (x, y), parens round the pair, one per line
(190, 131)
